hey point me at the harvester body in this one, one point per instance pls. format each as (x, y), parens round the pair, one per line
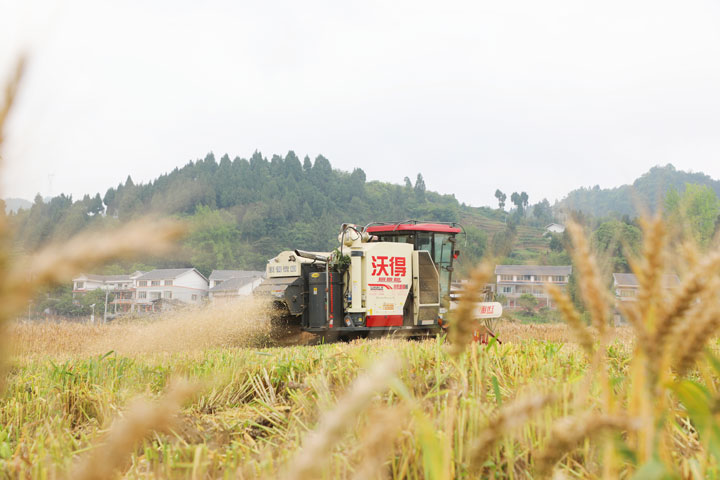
(383, 277)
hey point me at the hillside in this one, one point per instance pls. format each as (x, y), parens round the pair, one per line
(644, 193)
(244, 211)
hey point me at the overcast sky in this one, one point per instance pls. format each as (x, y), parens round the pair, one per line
(540, 96)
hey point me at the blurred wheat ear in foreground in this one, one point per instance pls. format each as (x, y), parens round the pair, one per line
(21, 278)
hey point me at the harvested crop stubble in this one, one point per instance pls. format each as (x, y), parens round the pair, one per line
(238, 323)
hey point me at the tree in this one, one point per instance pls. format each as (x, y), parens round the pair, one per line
(420, 188)
(694, 213)
(524, 200)
(501, 199)
(619, 242)
(556, 242)
(542, 211)
(527, 302)
(515, 199)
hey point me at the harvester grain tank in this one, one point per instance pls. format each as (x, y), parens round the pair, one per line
(384, 277)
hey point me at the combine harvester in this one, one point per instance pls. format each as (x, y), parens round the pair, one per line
(384, 278)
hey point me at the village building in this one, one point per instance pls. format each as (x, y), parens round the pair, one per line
(169, 286)
(554, 228)
(87, 282)
(515, 280)
(626, 285)
(234, 288)
(122, 288)
(219, 276)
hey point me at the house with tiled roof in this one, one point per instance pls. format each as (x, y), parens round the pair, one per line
(626, 285)
(228, 284)
(515, 280)
(186, 285)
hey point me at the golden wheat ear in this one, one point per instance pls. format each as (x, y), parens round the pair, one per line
(698, 283)
(596, 297)
(568, 432)
(572, 318)
(59, 262)
(507, 419)
(463, 322)
(312, 457)
(111, 454)
(378, 439)
(10, 92)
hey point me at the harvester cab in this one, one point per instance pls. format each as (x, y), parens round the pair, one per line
(384, 277)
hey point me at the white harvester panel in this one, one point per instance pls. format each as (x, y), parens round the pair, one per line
(286, 264)
(387, 279)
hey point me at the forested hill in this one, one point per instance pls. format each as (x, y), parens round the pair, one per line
(645, 192)
(243, 212)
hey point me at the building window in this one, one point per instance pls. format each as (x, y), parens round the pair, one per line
(525, 278)
(79, 285)
(154, 295)
(558, 278)
(142, 283)
(506, 278)
(155, 283)
(506, 289)
(168, 283)
(194, 297)
(142, 294)
(218, 282)
(167, 294)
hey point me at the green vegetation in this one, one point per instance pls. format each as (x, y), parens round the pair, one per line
(645, 194)
(243, 212)
(694, 212)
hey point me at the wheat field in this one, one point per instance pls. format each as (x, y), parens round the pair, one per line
(255, 405)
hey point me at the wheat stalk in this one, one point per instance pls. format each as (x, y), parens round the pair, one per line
(312, 457)
(111, 454)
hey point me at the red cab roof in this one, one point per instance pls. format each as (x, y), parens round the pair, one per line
(417, 227)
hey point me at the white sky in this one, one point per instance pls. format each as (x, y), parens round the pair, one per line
(541, 96)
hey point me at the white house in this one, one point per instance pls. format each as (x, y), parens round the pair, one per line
(228, 284)
(87, 282)
(554, 228)
(169, 286)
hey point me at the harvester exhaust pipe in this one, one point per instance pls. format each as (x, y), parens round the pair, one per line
(320, 258)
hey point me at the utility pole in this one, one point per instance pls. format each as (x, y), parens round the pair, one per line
(107, 292)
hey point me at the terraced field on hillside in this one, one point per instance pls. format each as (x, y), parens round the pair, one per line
(528, 237)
